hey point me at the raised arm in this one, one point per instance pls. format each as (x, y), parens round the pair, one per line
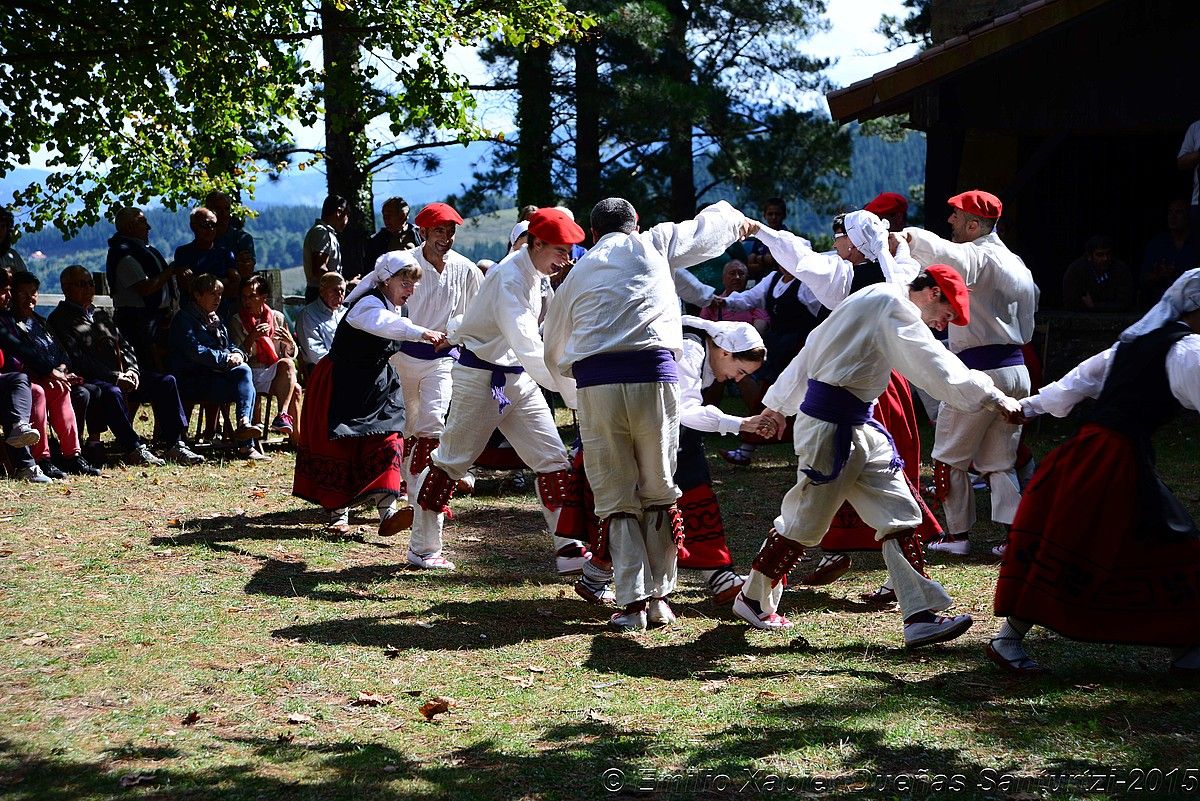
(688, 243)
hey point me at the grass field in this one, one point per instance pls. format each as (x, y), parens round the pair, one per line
(193, 633)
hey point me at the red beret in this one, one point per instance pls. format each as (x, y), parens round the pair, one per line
(886, 204)
(955, 291)
(977, 202)
(551, 225)
(436, 214)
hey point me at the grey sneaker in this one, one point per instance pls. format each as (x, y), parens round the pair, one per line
(34, 475)
(142, 455)
(180, 453)
(22, 435)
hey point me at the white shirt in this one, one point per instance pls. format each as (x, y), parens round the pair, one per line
(501, 324)
(1087, 379)
(872, 332)
(695, 375)
(621, 296)
(315, 327)
(439, 296)
(1004, 297)
(1191, 143)
(827, 276)
(756, 296)
(381, 318)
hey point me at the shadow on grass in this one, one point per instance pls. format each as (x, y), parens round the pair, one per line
(308, 523)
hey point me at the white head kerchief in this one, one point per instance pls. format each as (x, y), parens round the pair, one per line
(517, 230)
(1181, 297)
(386, 266)
(869, 234)
(733, 337)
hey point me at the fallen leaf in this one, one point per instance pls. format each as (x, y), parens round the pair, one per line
(437, 706)
(37, 639)
(371, 699)
(297, 718)
(5, 552)
(715, 686)
(191, 718)
(174, 522)
(136, 779)
(536, 669)
(596, 717)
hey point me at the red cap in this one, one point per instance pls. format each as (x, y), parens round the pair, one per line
(555, 227)
(886, 204)
(436, 214)
(977, 202)
(955, 291)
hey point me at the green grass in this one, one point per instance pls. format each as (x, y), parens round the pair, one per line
(194, 632)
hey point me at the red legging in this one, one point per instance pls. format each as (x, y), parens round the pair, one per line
(56, 404)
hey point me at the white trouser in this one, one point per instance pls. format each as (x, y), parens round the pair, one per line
(426, 387)
(879, 494)
(983, 439)
(526, 423)
(630, 435)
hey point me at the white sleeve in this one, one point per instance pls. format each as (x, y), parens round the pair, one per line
(370, 315)
(555, 330)
(788, 391)
(693, 413)
(907, 266)
(1183, 369)
(691, 289)
(966, 259)
(827, 276)
(753, 298)
(688, 243)
(519, 326)
(1084, 381)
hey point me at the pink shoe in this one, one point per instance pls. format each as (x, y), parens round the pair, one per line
(750, 612)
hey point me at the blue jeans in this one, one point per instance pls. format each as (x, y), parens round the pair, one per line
(236, 385)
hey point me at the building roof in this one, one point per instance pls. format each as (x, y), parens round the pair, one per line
(891, 90)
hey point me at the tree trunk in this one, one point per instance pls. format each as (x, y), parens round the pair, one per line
(534, 183)
(347, 148)
(587, 127)
(679, 134)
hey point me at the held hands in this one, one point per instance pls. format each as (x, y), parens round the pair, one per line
(758, 424)
(235, 359)
(750, 228)
(1011, 412)
(771, 424)
(436, 338)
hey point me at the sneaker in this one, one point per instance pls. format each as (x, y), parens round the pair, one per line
(659, 612)
(752, 613)
(179, 453)
(141, 454)
(50, 469)
(433, 561)
(1000, 549)
(283, 423)
(940, 629)
(570, 559)
(253, 454)
(957, 544)
(632, 619)
(22, 435)
(247, 430)
(34, 475)
(737, 457)
(724, 585)
(831, 568)
(79, 466)
(595, 593)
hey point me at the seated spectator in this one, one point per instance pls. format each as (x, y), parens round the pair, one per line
(16, 408)
(262, 333)
(318, 321)
(202, 255)
(1098, 282)
(29, 348)
(9, 259)
(1168, 254)
(99, 353)
(207, 366)
(144, 289)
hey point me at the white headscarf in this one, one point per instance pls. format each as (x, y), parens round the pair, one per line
(386, 266)
(1181, 297)
(733, 337)
(869, 234)
(517, 230)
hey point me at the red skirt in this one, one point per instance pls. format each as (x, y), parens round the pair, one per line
(895, 412)
(341, 472)
(1080, 562)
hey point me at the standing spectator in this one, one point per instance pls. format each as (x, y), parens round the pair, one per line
(28, 345)
(760, 263)
(1169, 253)
(397, 232)
(202, 255)
(892, 207)
(526, 213)
(1096, 281)
(208, 367)
(262, 333)
(9, 259)
(318, 321)
(103, 357)
(144, 291)
(322, 250)
(1189, 159)
(230, 235)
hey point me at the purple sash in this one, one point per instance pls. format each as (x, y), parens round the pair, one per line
(991, 357)
(468, 359)
(426, 351)
(655, 366)
(841, 407)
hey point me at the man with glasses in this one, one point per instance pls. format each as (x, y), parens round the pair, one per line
(202, 255)
(317, 322)
(104, 358)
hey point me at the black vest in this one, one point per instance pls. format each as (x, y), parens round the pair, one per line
(866, 274)
(366, 397)
(788, 313)
(151, 261)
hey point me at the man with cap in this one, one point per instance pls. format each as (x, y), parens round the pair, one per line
(496, 386)
(448, 284)
(845, 455)
(614, 326)
(1004, 299)
(891, 208)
